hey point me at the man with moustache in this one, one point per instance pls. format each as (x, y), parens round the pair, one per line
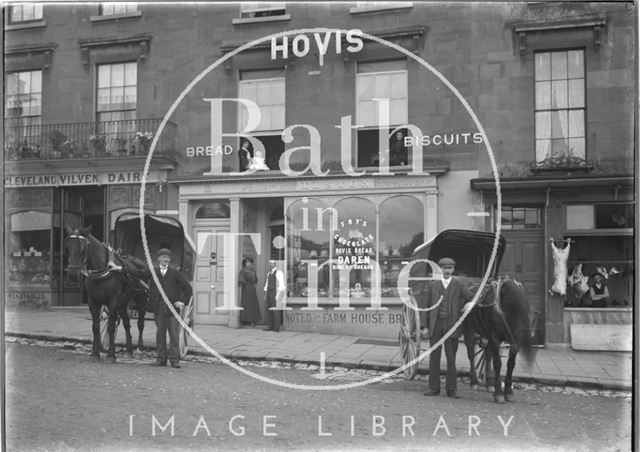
(453, 296)
(178, 291)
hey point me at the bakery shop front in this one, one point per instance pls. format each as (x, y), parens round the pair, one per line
(340, 241)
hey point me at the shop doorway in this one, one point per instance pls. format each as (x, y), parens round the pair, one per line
(80, 207)
(523, 259)
(209, 285)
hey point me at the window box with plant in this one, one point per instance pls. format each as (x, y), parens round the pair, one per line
(142, 142)
(98, 144)
(566, 161)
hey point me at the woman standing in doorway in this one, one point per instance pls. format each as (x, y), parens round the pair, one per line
(250, 314)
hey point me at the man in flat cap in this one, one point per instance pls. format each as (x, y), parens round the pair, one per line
(447, 297)
(178, 292)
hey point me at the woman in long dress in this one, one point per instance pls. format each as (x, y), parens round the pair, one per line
(250, 315)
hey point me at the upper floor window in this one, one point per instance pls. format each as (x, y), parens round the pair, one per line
(117, 86)
(24, 96)
(560, 107)
(267, 89)
(23, 107)
(25, 12)
(107, 9)
(250, 10)
(381, 96)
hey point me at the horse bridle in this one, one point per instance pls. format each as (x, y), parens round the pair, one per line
(91, 274)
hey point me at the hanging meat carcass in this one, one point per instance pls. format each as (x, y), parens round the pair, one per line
(560, 258)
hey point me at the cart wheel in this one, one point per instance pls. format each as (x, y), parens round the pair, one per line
(187, 314)
(410, 340)
(104, 322)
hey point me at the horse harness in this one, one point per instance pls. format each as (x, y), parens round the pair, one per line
(98, 274)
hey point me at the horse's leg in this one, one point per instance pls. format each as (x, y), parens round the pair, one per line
(511, 363)
(124, 315)
(95, 328)
(498, 395)
(140, 303)
(111, 329)
(488, 368)
(470, 344)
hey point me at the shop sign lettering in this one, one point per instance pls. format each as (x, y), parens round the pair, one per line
(301, 44)
(353, 247)
(53, 180)
(339, 318)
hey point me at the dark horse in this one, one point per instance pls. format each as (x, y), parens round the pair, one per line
(502, 314)
(104, 287)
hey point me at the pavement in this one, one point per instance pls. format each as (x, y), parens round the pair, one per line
(554, 365)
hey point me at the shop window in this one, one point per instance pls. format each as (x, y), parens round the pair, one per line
(309, 230)
(376, 82)
(560, 136)
(398, 239)
(23, 107)
(600, 216)
(25, 12)
(354, 248)
(107, 9)
(266, 88)
(116, 105)
(30, 248)
(251, 10)
(521, 217)
(609, 255)
(216, 209)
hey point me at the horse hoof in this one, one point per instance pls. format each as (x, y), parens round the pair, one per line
(509, 397)
(110, 360)
(94, 358)
(498, 398)
(491, 389)
(474, 387)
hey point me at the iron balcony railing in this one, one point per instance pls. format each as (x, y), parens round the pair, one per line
(87, 139)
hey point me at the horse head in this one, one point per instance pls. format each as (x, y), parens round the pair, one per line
(76, 245)
(490, 292)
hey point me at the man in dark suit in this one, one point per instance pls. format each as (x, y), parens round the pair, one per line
(453, 295)
(178, 292)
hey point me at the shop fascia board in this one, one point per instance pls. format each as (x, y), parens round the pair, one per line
(301, 186)
(489, 184)
(96, 164)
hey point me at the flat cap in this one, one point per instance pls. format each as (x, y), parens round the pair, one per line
(163, 252)
(446, 261)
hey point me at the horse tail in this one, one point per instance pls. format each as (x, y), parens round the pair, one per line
(525, 345)
(525, 326)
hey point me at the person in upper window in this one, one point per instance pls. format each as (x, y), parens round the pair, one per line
(244, 155)
(398, 150)
(598, 291)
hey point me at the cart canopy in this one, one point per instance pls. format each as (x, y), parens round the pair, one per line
(470, 249)
(162, 232)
